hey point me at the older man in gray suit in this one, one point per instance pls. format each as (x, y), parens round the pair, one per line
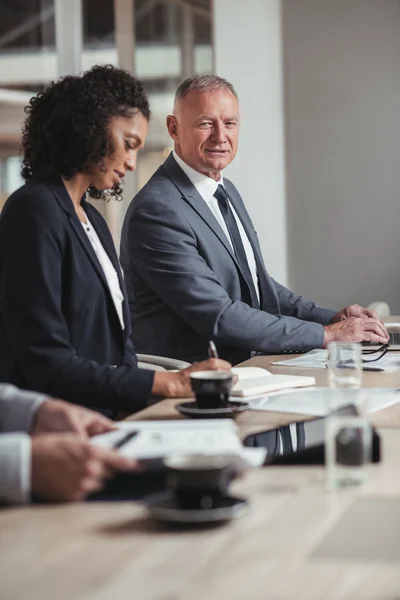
(192, 262)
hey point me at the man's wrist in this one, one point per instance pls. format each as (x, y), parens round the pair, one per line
(19, 408)
(36, 414)
(328, 337)
(15, 468)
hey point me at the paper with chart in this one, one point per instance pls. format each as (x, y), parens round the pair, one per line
(318, 359)
(319, 401)
(158, 439)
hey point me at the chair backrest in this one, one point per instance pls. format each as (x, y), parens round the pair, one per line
(382, 308)
(161, 363)
(150, 366)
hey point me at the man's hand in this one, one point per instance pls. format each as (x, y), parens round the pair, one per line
(177, 385)
(356, 330)
(57, 416)
(355, 310)
(66, 468)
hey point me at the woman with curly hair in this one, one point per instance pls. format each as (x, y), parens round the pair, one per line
(64, 317)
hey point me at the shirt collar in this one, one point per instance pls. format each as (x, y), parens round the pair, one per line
(204, 185)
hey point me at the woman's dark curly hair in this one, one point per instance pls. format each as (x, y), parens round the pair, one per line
(66, 130)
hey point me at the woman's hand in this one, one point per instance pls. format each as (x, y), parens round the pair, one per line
(177, 385)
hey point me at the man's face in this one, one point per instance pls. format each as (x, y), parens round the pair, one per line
(206, 130)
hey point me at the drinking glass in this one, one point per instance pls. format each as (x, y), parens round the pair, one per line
(344, 365)
(348, 450)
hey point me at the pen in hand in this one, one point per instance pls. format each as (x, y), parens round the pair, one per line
(125, 439)
(212, 350)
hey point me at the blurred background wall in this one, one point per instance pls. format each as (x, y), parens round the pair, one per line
(342, 98)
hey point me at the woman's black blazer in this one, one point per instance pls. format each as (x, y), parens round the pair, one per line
(59, 330)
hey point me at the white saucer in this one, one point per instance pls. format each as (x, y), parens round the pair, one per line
(190, 409)
(163, 507)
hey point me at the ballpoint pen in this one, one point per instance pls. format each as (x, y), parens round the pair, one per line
(212, 350)
(125, 439)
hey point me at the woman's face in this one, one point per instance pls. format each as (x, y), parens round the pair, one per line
(127, 136)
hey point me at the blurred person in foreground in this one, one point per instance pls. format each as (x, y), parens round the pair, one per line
(192, 261)
(64, 317)
(45, 450)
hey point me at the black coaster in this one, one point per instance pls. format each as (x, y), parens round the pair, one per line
(163, 507)
(190, 409)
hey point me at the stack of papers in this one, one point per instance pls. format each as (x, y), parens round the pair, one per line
(159, 439)
(318, 359)
(318, 402)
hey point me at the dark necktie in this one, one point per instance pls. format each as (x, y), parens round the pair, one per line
(249, 294)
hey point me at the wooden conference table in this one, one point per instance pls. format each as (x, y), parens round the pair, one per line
(296, 541)
(253, 421)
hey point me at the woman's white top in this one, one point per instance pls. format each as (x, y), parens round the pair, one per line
(108, 269)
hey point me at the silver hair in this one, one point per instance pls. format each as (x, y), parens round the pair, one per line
(202, 83)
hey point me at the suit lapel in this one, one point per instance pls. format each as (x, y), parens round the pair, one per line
(269, 299)
(192, 196)
(66, 204)
(108, 245)
(102, 231)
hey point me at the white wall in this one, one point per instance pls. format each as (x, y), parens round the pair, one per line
(342, 89)
(247, 46)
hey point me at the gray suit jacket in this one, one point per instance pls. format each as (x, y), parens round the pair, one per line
(184, 283)
(17, 409)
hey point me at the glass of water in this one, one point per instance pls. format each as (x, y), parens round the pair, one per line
(344, 365)
(348, 450)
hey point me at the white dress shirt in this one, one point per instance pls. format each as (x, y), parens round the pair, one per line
(207, 188)
(108, 269)
(17, 409)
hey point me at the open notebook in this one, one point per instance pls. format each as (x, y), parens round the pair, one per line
(254, 381)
